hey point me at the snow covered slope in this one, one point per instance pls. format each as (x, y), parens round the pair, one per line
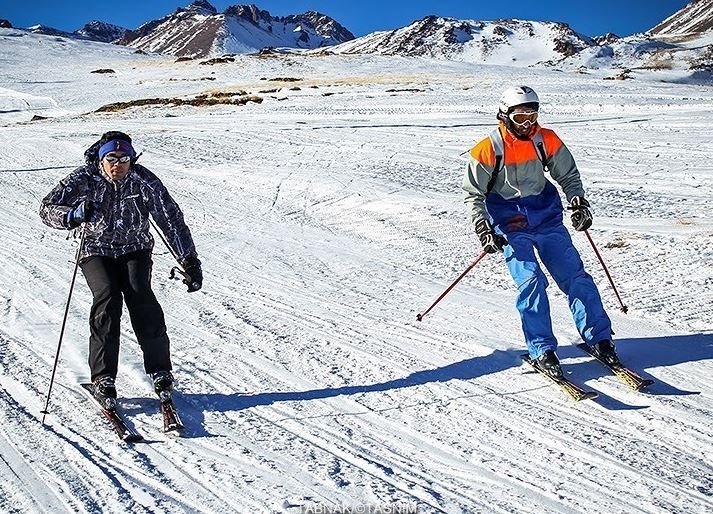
(327, 217)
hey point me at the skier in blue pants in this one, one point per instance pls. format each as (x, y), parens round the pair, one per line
(555, 249)
(518, 211)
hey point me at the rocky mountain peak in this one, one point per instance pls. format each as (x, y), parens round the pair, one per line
(200, 31)
(250, 13)
(200, 7)
(101, 31)
(322, 24)
(606, 39)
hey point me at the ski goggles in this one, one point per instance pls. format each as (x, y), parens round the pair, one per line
(521, 118)
(112, 159)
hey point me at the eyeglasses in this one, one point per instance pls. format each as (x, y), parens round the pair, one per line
(113, 159)
(521, 118)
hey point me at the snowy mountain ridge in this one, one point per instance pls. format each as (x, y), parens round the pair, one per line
(513, 42)
(200, 31)
(682, 41)
(694, 20)
(551, 44)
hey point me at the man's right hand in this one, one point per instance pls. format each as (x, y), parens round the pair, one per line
(492, 242)
(84, 212)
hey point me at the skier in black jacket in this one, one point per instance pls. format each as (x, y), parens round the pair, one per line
(113, 196)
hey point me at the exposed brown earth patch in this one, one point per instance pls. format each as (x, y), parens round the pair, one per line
(208, 99)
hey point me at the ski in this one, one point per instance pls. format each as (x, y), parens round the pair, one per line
(575, 391)
(115, 418)
(171, 419)
(629, 376)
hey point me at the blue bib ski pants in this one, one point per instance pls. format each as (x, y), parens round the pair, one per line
(556, 251)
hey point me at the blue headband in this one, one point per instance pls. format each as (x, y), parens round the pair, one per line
(116, 145)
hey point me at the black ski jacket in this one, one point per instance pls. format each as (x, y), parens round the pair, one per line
(123, 208)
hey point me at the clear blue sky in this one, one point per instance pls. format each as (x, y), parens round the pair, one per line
(588, 17)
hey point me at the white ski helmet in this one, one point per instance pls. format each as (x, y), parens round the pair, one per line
(518, 95)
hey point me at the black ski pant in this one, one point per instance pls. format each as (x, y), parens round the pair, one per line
(126, 278)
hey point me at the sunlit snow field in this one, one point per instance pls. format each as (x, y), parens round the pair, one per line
(327, 217)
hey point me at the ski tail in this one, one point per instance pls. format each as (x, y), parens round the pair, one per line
(171, 420)
(574, 390)
(627, 375)
(116, 419)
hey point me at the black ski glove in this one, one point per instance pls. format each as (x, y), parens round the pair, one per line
(192, 266)
(491, 241)
(581, 215)
(84, 212)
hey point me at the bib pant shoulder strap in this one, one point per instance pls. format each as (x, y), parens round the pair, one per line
(496, 139)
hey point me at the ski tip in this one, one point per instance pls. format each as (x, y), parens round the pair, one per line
(133, 438)
(644, 384)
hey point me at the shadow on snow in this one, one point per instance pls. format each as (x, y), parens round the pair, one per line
(641, 353)
(650, 352)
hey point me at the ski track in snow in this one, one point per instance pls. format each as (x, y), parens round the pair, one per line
(325, 224)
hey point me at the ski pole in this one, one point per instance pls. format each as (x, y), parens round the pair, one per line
(175, 257)
(174, 269)
(45, 411)
(419, 317)
(624, 308)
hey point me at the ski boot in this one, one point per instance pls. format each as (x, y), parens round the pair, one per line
(605, 350)
(163, 384)
(550, 364)
(105, 392)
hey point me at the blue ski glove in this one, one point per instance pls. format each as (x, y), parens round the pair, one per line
(84, 212)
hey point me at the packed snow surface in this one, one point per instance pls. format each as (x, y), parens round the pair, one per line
(327, 217)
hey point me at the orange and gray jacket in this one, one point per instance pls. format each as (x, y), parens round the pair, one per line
(122, 212)
(521, 198)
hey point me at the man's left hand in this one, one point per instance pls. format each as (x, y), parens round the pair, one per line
(581, 215)
(192, 267)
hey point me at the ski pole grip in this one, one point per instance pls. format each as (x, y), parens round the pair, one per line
(176, 270)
